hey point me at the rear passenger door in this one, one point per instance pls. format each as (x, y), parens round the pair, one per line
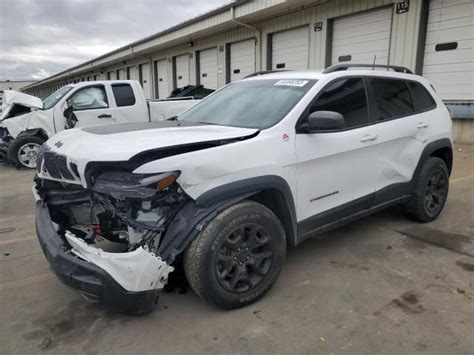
(401, 135)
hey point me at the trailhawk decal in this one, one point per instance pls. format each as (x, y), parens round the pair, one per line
(324, 196)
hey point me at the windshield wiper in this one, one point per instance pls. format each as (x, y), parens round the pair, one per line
(174, 118)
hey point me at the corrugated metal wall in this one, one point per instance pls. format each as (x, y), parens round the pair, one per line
(403, 43)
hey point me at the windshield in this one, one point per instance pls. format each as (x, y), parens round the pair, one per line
(252, 104)
(53, 99)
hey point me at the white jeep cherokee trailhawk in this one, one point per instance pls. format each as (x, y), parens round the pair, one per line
(227, 186)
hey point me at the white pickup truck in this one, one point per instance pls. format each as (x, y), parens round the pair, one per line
(27, 121)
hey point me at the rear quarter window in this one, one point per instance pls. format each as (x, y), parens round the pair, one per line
(422, 99)
(123, 94)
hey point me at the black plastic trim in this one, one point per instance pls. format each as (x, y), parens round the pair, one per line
(186, 225)
(85, 278)
(252, 186)
(432, 148)
(353, 210)
(320, 220)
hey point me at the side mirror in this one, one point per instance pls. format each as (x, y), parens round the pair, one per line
(68, 111)
(324, 121)
(71, 118)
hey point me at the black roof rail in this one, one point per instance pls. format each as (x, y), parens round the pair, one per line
(340, 67)
(263, 72)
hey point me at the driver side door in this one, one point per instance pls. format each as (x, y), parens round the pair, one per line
(91, 106)
(336, 169)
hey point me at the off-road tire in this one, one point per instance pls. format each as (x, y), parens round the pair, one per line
(202, 258)
(12, 154)
(417, 208)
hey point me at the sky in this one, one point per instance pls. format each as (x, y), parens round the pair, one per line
(39, 38)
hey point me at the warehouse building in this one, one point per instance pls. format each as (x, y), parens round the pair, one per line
(434, 38)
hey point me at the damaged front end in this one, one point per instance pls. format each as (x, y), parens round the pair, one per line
(104, 241)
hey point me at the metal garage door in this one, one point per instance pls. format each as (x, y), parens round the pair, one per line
(133, 73)
(111, 75)
(242, 59)
(182, 70)
(358, 38)
(161, 67)
(449, 51)
(208, 68)
(121, 74)
(145, 79)
(290, 49)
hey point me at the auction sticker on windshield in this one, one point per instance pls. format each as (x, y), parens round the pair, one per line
(298, 83)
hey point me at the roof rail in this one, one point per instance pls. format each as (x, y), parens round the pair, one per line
(263, 72)
(340, 67)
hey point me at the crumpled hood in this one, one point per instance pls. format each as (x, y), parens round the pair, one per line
(12, 98)
(120, 142)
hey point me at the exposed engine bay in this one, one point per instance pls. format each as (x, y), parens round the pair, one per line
(118, 224)
(130, 210)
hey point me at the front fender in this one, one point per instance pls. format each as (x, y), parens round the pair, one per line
(30, 121)
(187, 224)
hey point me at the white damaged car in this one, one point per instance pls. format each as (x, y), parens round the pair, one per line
(26, 121)
(228, 186)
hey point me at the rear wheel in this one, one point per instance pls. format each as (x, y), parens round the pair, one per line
(23, 152)
(238, 256)
(430, 193)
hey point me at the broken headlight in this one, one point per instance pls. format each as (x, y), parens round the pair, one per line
(122, 185)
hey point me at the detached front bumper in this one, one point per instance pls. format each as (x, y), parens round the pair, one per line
(76, 264)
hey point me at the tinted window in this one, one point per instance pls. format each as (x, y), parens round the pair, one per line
(392, 98)
(346, 96)
(422, 99)
(92, 97)
(123, 94)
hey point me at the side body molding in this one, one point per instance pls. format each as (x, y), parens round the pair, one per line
(444, 143)
(195, 215)
(275, 185)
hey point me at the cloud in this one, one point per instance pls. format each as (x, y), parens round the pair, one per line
(40, 38)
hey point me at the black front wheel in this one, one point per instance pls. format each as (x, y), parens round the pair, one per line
(430, 192)
(237, 258)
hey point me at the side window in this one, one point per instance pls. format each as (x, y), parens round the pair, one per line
(123, 94)
(347, 97)
(422, 99)
(92, 97)
(392, 98)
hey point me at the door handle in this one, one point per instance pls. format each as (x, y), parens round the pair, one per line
(369, 138)
(105, 115)
(422, 125)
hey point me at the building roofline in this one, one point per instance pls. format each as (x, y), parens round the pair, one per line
(169, 30)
